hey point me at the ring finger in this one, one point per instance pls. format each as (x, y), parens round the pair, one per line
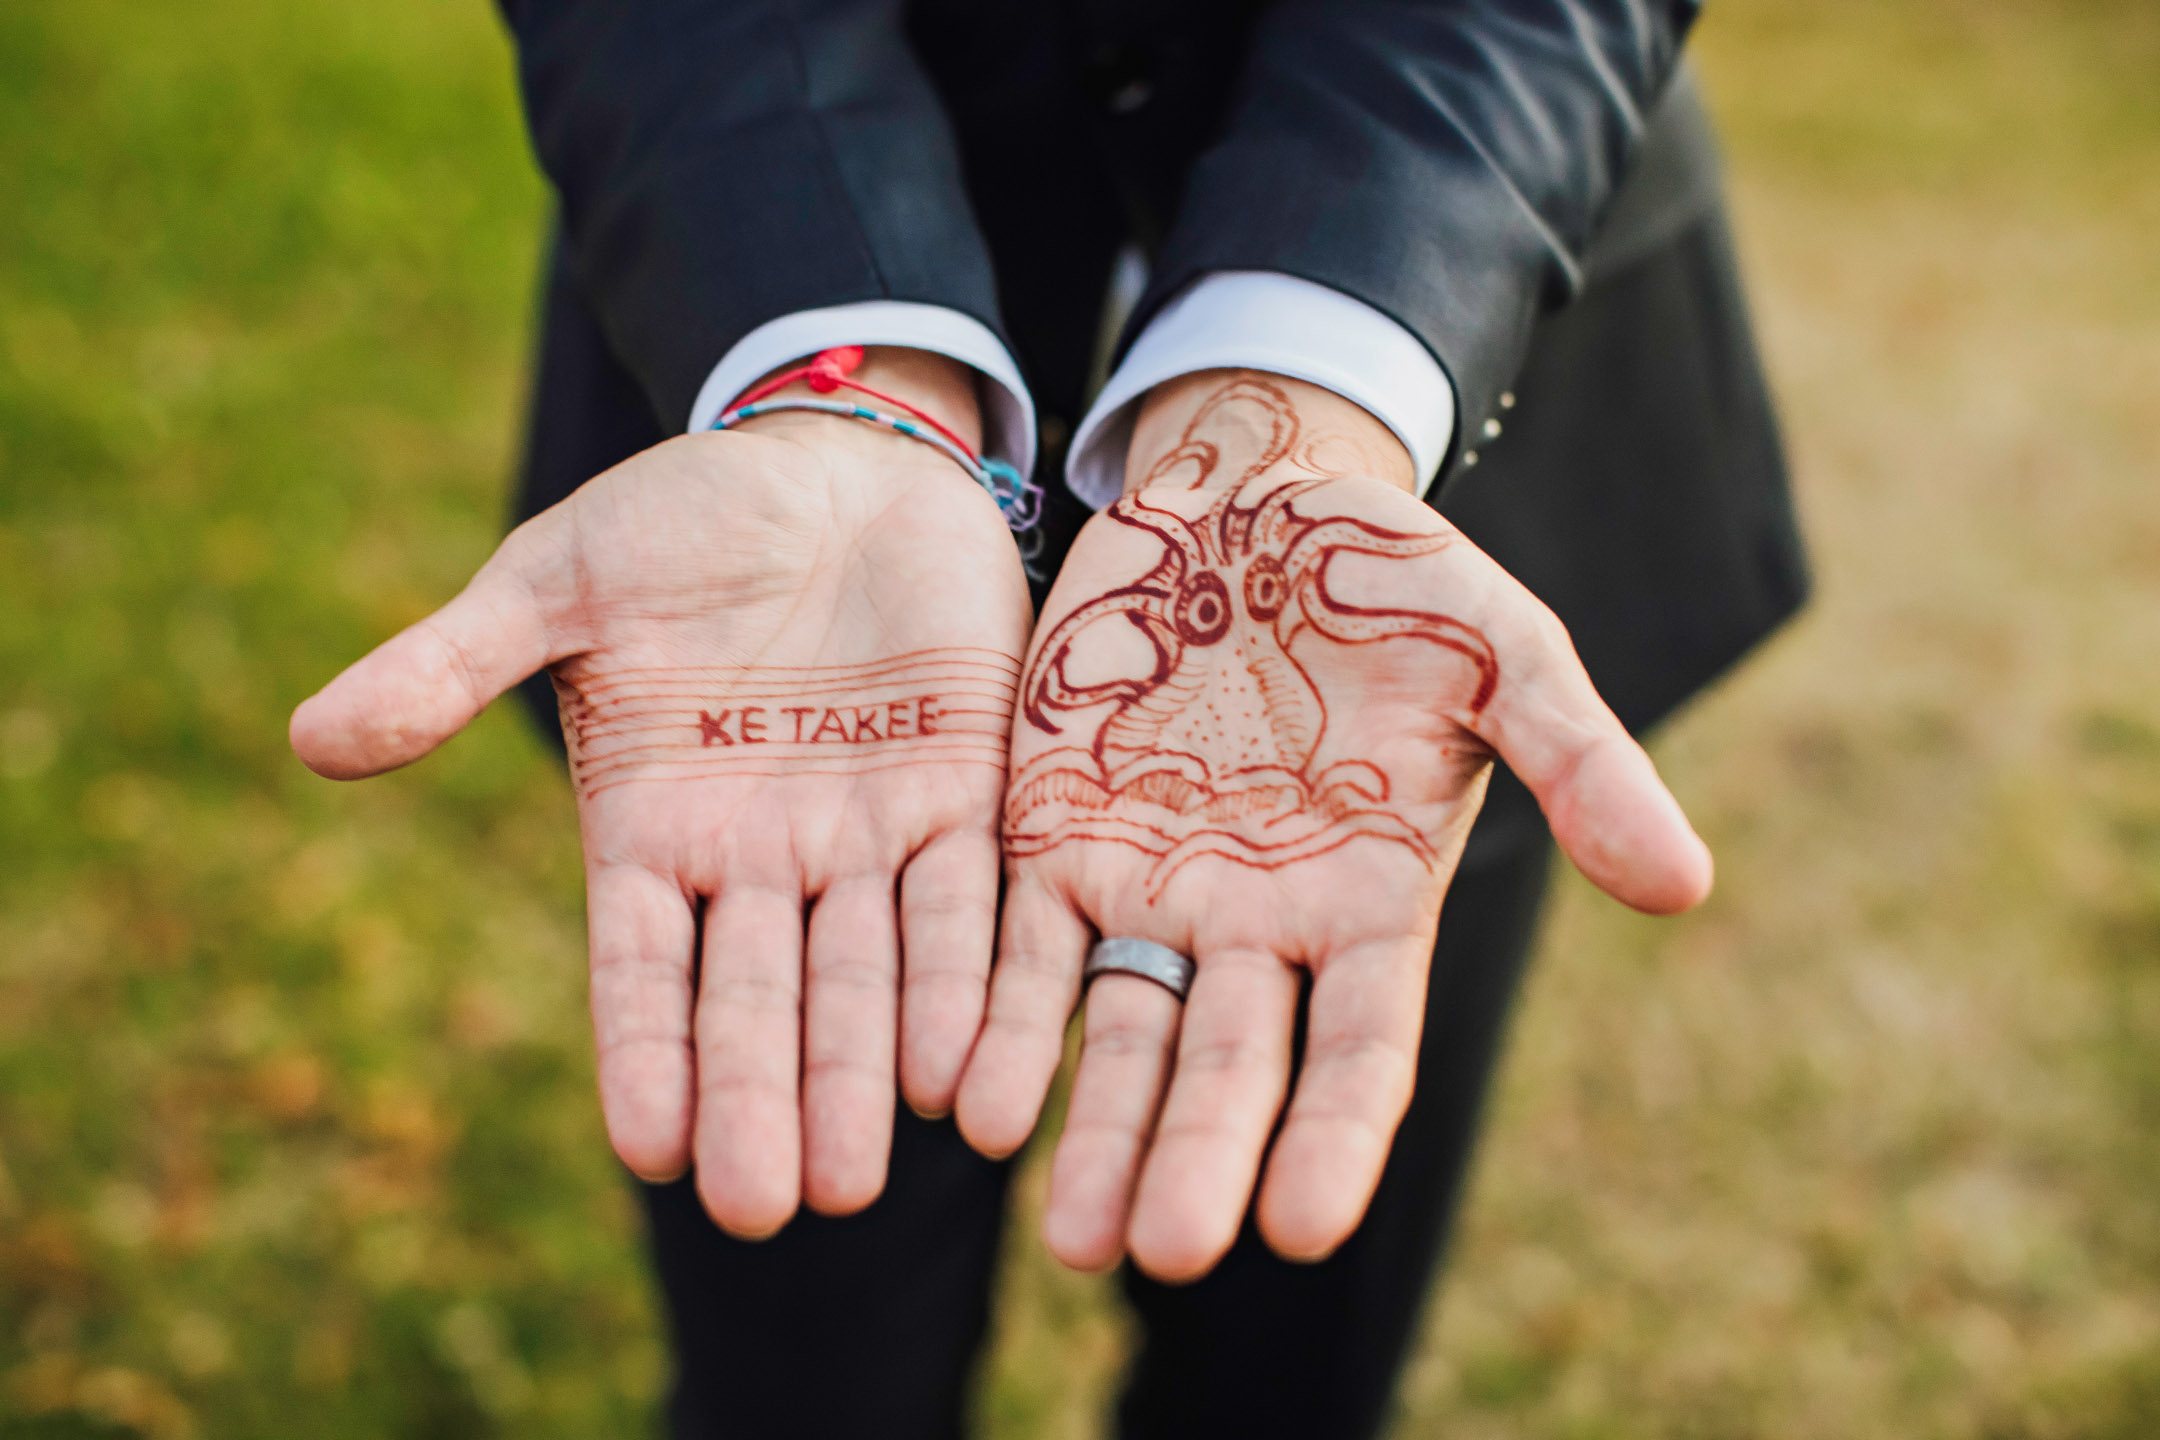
(1127, 1039)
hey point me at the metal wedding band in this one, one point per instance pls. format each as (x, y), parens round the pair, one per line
(1144, 958)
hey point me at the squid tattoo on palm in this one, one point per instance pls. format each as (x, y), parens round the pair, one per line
(1212, 749)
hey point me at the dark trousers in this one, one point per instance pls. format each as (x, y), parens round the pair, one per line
(872, 1325)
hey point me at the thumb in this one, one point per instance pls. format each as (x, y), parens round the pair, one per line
(1609, 811)
(426, 683)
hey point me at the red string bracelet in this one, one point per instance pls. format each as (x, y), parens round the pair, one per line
(1018, 498)
(827, 371)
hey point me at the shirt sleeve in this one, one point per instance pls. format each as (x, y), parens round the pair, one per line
(1259, 320)
(1008, 410)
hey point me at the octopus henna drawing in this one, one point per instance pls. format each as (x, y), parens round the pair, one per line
(1212, 751)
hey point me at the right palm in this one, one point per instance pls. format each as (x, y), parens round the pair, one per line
(1255, 728)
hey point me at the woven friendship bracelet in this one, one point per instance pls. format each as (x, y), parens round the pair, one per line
(1018, 499)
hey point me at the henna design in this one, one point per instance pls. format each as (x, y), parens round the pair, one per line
(1212, 750)
(952, 705)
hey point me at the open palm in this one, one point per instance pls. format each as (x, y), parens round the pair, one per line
(786, 664)
(1255, 726)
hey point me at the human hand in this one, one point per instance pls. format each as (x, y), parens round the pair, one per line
(1255, 726)
(785, 658)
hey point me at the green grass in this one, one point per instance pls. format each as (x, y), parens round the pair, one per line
(296, 1127)
(295, 1112)
(1868, 1146)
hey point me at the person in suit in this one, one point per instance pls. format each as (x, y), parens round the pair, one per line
(1469, 253)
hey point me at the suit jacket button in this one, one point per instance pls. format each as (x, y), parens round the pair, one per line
(1119, 75)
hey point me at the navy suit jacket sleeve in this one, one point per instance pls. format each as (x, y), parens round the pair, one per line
(1446, 162)
(717, 168)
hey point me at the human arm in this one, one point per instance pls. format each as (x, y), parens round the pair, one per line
(785, 660)
(708, 212)
(1255, 725)
(1441, 168)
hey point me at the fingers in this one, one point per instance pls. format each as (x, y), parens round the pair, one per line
(1624, 830)
(849, 1014)
(748, 1132)
(643, 937)
(948, 919)
(1363, 1020)
(1041, 945)
(425, 684)
(1608, 809)
(1131, 1031)
(1233, 1061)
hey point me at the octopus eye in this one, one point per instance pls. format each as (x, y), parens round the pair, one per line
(1266, 588)
(1202, 614)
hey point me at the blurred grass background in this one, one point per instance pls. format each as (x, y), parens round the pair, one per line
(296, 1131)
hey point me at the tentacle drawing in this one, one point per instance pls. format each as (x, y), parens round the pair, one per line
(1356, 625)
(1211, 751)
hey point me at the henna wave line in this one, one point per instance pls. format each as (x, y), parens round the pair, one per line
(608, 765)
(731, 764)
(998, 661)
(594, 788)
(1161, 883)
(621, 759)
(694, 698)
(1024, 847)
(801, 674)
(664, 689)
(594, 785)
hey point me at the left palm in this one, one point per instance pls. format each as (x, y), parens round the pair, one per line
(1255, 726)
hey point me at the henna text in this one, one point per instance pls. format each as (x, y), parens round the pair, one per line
(821, 724)
(935, 705)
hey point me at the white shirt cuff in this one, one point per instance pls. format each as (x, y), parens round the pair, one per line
(1008, 411)
(1261, 320)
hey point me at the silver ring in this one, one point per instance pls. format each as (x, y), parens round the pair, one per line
(1144, 958)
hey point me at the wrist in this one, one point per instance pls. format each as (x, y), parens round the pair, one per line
(1334, 436)
(936, 385)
